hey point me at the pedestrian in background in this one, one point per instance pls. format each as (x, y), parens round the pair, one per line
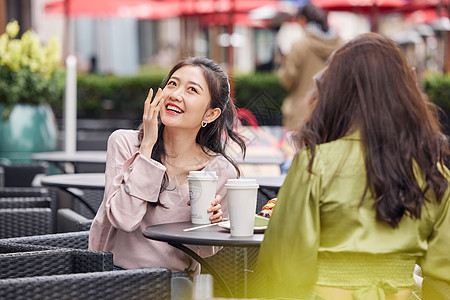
(305, 59)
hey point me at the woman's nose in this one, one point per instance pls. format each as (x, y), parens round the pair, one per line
(176, 95)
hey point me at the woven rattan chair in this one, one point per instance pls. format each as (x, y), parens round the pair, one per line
(93, 197)
(69, 220)
(139, 284)
(24, 191)
(22, 175)
(25, 202)
(15, 222)
(16, 260)
(235, 265)
(71, 240)
(27, 192)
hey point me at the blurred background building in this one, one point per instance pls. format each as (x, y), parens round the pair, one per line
(120, 37)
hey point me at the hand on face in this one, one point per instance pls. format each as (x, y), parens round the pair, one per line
(215, 208)
(150, 121)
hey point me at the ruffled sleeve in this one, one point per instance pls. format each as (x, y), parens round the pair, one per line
(288, 254)
(131, 180)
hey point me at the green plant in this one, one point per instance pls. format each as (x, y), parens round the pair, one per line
(437, 87)
(106, 96)
(124, 96)
(29, 71)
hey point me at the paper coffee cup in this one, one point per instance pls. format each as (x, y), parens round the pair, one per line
(242, 195)
(202, 190)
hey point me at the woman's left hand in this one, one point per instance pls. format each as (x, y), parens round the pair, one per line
(216, 209)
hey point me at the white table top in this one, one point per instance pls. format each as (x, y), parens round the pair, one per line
(271, 182)
(77, 180)
(97, 180)
(94, 157)
(99, 157)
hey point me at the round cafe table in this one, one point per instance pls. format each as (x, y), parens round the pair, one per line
(71, 182)
(175, 234)
(60, 158)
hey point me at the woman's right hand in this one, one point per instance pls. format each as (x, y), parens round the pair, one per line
(150, 121)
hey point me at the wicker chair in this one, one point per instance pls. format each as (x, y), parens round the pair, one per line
(22, 175)
(25, 202)
(71, 240)
(235, 265)
(139, 284)
(93, 197)
(15, 222)
(25, 192)
(33, 192)
(18, 261)
(69, 221)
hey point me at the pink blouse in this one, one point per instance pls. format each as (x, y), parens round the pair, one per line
(132, 181)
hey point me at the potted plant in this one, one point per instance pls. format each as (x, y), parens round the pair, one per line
(30, 81)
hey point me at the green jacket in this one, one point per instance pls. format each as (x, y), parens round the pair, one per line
(319, 234)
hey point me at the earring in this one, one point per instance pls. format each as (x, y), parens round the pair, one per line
(204, 123)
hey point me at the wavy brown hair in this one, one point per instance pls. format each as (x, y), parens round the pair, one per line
(368, 85)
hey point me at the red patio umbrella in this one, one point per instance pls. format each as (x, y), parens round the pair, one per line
(139, 9)
(414, 5)
(371, 7)
(359, 5)
(424, 16)
(152, 9)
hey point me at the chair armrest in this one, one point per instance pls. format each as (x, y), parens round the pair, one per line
(138, 284)
(20, 260)
(73, 240)
(69, 221)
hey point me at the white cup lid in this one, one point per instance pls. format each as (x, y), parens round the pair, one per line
(241, 183)
(202, 175)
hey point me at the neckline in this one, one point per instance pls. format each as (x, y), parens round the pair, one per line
(203, 169)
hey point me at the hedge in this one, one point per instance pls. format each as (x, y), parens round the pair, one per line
(107, 96)
(437, 87)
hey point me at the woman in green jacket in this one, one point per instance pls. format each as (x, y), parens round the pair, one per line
(367, 197)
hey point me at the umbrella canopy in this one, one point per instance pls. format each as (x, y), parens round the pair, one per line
(371, 7)
(414, 5)
(139, 9)
(151, 9)
(424, 16)
(359, 5)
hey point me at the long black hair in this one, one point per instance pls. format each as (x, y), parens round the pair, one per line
(217, 134)
(368, 85)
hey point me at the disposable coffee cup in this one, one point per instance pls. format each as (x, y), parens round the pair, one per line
(202, 190)
(242, 195)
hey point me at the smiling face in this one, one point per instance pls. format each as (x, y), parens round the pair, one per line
(188, 99)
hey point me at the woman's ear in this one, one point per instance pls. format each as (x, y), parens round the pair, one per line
(213, 114)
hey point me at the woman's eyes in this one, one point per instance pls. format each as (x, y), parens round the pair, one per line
(173, 83)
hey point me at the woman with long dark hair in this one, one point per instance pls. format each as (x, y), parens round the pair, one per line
(186, 127)
(368, 196)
